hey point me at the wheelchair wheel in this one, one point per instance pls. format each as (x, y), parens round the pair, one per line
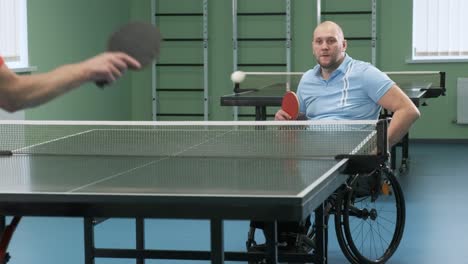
(369, 223)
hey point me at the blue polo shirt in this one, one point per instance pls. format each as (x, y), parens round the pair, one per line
(351, 92)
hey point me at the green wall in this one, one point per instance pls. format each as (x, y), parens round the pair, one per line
(141, 94)
(221, 51)
(395, 31)
(67, 31)
(393, 50)
(64, 31)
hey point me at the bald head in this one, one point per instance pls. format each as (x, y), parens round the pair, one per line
(332, 27)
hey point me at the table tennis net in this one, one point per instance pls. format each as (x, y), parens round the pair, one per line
(268, 80)
(418, 79)
(298, 139)
(290, 80)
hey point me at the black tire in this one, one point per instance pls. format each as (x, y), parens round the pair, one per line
(340, 233)
(370, 224)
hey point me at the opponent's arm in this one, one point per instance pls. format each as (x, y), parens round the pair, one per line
(22, 91)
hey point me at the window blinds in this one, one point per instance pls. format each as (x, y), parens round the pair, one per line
(13, 33)
(438, 29)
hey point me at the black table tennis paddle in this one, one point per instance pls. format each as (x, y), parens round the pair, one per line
(140, 40)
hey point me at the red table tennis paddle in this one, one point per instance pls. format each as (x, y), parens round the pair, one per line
(290, 104)
(138, 39)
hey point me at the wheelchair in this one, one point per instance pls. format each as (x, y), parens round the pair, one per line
(369, 216)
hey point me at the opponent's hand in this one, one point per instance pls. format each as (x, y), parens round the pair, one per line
(108, 66)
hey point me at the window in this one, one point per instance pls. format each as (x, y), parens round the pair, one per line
(438, 30)
(14, 33)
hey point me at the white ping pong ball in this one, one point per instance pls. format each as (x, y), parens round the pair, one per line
(238, 76)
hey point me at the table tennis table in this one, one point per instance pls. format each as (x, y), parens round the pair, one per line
(267, 171)
(271, 95)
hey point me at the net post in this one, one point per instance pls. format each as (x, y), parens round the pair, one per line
(442, 82)
(236, 88)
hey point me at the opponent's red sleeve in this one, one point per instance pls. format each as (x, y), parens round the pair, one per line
(1, 61)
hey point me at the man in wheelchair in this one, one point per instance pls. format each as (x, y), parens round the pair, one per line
(342, 88)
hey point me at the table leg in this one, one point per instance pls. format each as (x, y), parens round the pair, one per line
(140, 237)
(405, 153)
(322, 235)
(260, 113)
(89, 240)
(2, 224)
(217, 241)
(272, 242)
(393, 157)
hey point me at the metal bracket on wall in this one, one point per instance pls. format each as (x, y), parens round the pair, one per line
(204, 64)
